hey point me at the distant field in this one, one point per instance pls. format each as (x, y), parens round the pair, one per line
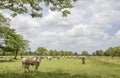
(114, 60)
(63, 68)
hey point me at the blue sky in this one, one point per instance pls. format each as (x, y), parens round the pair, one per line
(92, 25)
(113, 30)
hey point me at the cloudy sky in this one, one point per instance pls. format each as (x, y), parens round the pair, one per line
(92, 25)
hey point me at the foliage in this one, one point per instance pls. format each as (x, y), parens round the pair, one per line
(60, 53)
(53, 52)
(110, 51)
(75, 53)
(113, 51)
(44, 51)
(99, 53)
(94, 54)
(41, 51)
(4, 21)
(117, 49)
(10, 41)
(35, 7)
(85, 53)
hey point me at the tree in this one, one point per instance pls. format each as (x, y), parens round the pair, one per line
(69, 53)
(75, 53)
(99, 53)
(41, 50)
(53, 52)
(94, 54)
(17, 43)
(4, 21)
(61, 53)
(5, 33)
(113, 51)
(117, 51)
(34, 7)
(110, 52)
(9, 40)
(107, 53)
(85, 53)
(4, 26)
(13, 42)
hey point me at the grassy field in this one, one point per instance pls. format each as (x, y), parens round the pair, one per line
(63, 68)
(113, 60)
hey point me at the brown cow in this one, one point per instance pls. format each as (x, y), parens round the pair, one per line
(33, 61)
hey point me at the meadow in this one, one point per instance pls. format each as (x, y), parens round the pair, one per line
(63, 68)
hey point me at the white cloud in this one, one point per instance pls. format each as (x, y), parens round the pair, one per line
(78, 30)
(117, 35)
(84, 29)
(25, 25)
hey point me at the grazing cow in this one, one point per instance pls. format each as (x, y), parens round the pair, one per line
(33, 61)
(42, 57)
(68, 57)
(57, 57)
(49, 58)
(79, 57)
(11, 58)
(74, 57)
(83, 59)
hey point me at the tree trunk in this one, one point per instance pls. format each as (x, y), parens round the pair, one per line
(3, 53)
(3, 49)
(16, 53)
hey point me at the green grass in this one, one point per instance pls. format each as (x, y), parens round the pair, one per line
(64, 68)
(114, 60)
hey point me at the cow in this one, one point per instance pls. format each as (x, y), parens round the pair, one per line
(49, 58)
(31, 61)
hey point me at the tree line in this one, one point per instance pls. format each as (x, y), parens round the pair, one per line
(111, 51)
(42, 51)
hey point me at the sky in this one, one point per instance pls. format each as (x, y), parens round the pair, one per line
(92, 25)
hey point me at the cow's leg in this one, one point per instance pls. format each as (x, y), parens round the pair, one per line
(27, 67)
(37, 65)
(23, 65)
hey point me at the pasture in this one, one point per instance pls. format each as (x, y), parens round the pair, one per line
(63, 68)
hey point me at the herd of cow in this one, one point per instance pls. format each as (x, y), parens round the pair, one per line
(34, 61)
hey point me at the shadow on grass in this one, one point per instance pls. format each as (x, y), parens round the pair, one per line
(55, 74)
(2, 61)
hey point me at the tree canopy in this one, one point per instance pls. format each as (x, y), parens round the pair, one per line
(10, 41)
(85, 53)
(99, 53)
(35, 7)
(41, 50)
